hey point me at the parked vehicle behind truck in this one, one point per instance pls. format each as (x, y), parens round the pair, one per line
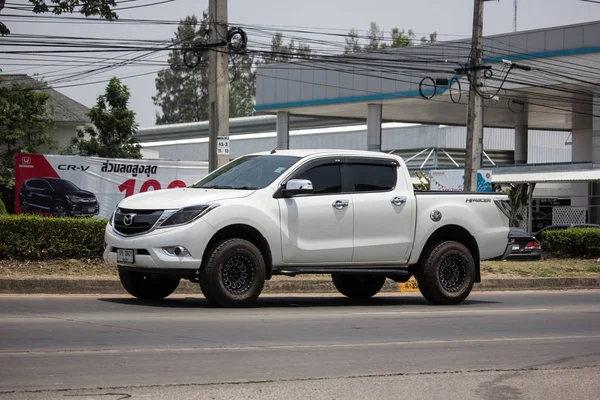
(351, 214)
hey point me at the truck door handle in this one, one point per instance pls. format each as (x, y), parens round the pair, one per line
(398, 200)
(340, 204)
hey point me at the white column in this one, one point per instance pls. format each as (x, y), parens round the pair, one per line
(283, 130)
(595, 187)
(581, 150)
(374, 113)
(521, 137)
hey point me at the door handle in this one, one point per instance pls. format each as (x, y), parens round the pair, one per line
(340, 204)
(398, 200)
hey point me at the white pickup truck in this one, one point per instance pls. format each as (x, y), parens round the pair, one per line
(351, 214)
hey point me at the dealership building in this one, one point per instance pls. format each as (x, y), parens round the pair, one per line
(541, 111)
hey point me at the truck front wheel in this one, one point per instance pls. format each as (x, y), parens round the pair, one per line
(234, 274)
(147, 286)
(448, 274)
(358, 286)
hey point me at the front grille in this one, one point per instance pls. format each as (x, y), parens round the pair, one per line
(142, 220)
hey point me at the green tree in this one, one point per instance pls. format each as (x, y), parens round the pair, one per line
(401, 38)
(376, 39)
(182, 92)
(432, 38)
(113, 133)
(352, 42)
(89, 8)
(282, 52)
(242, 85)
(25, 126)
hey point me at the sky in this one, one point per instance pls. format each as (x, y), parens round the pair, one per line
(451, 19)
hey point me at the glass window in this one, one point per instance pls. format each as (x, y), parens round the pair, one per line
(373, 177)
(325, 178)
(250, 172)
(62, 185)
(34, 184)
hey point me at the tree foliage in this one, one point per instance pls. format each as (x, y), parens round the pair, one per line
(89, 8)
(25, 123)
(182, 92)
(114, 126)
(282, 52)
(375, 39)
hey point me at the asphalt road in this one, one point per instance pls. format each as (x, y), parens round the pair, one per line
(524, 345)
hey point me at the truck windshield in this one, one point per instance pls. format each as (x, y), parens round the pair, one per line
(248, 173)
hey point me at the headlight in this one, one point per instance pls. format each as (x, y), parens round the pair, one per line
(186, 215)
(73, 199)
(112, 216)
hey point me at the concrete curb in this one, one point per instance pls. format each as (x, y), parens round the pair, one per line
(291, 286)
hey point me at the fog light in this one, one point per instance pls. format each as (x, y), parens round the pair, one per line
(177, 251)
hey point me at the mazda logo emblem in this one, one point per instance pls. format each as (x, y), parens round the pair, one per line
(128, 219)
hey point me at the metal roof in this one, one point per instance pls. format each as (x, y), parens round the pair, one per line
(65, 109)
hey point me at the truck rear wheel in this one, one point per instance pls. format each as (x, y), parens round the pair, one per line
(448, 274)
(233, 275)
(147, 286)
(358, 286)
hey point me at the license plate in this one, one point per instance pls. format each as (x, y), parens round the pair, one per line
(125, 256)
(91, 209)
(515, 247)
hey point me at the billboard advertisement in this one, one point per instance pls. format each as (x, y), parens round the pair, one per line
(453, 180)
(92, 186)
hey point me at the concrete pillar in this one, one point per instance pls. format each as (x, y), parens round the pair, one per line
(283, 130)
(374, 113)
(521, 136)
(581, 150)
(595, 186)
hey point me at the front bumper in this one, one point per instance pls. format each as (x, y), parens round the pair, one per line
(149, 248)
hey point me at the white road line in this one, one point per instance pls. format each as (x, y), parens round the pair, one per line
(293, 347)
(479, 311)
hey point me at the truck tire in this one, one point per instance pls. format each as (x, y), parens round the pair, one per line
(233, 275)
(358, 286)
(448, 274)
(147, 286)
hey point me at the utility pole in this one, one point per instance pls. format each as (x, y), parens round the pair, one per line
(475, 109)
(515, 16)
(218, 86)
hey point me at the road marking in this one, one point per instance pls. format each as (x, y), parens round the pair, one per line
(445, 312)
(292, 347)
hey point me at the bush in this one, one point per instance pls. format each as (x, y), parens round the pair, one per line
(38, 238)
(577, 242)
(2, 208)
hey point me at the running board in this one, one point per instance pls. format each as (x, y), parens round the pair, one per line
(369, 271)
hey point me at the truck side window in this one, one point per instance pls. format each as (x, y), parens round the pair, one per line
(373, 177)
(325, 178)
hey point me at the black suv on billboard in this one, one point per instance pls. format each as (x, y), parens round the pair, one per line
(59, 197)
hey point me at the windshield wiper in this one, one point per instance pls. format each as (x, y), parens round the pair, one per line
(229, 187)
(216, 187)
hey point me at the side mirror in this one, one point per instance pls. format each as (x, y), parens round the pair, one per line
(297, 186)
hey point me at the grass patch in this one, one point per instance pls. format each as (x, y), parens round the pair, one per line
(74, 268)
(545, 268)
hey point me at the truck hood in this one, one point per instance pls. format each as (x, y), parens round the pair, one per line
(178, 198)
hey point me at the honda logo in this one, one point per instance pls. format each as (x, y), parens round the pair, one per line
(128, 219)
(25, 160)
